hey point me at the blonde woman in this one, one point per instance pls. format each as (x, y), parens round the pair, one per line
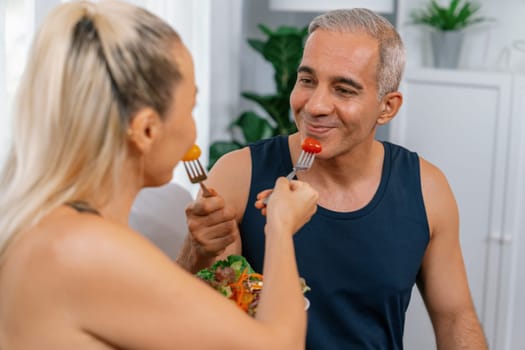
(104, 109)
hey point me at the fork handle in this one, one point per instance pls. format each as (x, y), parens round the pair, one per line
(292, 174)
(289, 177)
(205, 190)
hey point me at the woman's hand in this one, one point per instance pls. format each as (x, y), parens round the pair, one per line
(290, 206)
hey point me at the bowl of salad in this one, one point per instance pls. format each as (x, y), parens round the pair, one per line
(234, 278)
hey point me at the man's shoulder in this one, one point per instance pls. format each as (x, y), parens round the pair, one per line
(431, 173)
(395, 148)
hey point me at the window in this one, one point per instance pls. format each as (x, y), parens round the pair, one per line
(16, 31)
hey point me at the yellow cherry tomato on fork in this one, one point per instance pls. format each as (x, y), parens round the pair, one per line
(193, 153)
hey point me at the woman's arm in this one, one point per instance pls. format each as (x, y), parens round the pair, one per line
(122, 290)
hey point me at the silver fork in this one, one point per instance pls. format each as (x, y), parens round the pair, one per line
(304, 162)
(197, 174)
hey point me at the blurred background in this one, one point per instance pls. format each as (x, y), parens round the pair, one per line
(464, 115)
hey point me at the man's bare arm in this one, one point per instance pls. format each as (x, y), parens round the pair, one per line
(213, 220)
(443, 280)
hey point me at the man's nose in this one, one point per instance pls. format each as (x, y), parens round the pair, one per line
(319, 102)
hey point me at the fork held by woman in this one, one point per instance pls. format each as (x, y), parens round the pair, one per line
(309, 148)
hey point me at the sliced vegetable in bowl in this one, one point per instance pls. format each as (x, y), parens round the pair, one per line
(235, 279)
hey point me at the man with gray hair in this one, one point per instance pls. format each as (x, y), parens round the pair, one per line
(386, 219)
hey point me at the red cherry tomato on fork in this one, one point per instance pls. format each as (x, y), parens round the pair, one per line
(311, 145)
(193, 153)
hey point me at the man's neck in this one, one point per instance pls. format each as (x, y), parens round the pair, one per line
(347, 182)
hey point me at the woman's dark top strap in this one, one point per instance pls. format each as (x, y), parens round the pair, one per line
(82, 207)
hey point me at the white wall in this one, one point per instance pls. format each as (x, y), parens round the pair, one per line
(3, 92)
(226, 37)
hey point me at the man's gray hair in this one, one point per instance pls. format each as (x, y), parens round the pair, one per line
(391, 49)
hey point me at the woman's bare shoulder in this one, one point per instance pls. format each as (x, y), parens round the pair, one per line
(82, 273)
(69, 248)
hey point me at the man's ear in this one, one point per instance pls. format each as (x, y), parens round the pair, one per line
(144, 129)
(389, 107)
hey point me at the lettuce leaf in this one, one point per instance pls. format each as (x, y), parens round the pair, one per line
(237, 262)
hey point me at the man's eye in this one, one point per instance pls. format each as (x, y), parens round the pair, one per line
(344, 91)
(305, 81)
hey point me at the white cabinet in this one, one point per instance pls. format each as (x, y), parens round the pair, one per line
(511, 324)
(470, 125)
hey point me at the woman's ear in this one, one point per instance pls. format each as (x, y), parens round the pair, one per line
(144, 128)
(389, 107)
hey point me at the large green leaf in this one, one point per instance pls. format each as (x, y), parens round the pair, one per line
(265, 30)
(277, 106)
(284, 52)
(285, 30)
(253, 126)
(257, 45)
(452, 8)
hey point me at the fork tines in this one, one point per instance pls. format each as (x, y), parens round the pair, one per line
(195, 171)
(305, 160)
(197, 174)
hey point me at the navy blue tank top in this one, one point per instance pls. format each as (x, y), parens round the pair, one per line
(361, 265)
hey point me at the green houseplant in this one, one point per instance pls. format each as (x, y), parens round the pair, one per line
(458, 15)
(283, 49)
(448, 23)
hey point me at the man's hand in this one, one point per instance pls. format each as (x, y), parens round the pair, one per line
(212, 228)
(213, 220)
